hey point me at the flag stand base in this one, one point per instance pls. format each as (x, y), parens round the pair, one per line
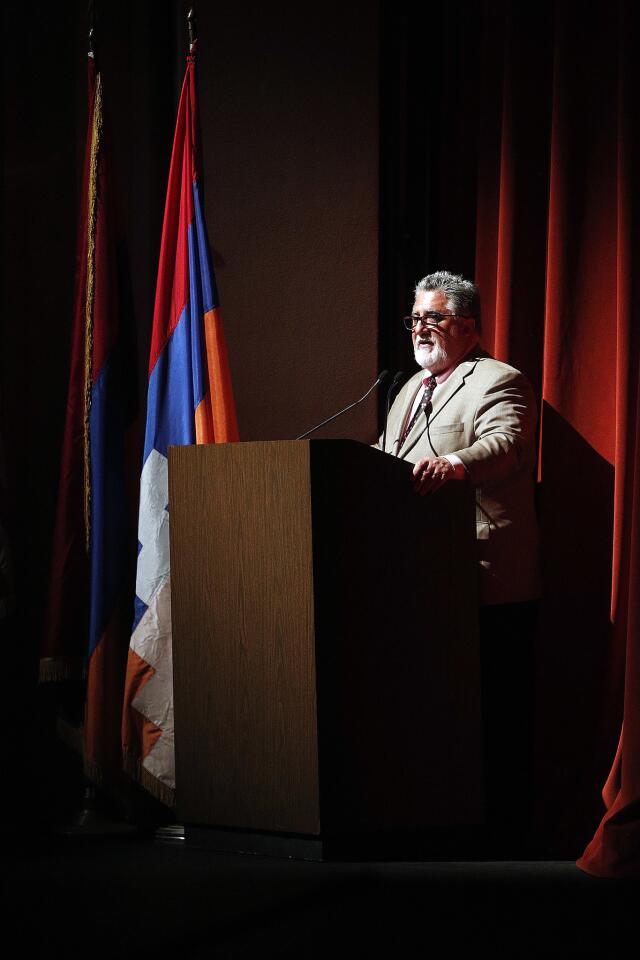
(170, 833)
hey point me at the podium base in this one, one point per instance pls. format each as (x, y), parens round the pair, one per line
(283, 846)
(467, 843)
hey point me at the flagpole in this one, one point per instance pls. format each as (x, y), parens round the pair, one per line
(91, 18)
(174, 833)
(193, 27)
(186, 404)
(99, 812)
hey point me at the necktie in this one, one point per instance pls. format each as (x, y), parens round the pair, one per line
(429, 384)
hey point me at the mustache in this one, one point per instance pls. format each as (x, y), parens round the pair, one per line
(440, 342)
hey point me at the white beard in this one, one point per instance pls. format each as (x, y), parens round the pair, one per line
(432, 358)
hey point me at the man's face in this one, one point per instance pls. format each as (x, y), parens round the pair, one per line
(437, 346)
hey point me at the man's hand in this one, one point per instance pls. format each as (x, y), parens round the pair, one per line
(432, 473)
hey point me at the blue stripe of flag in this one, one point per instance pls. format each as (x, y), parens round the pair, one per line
(108, 501)
(208, 280)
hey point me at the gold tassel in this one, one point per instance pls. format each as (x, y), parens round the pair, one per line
(92, 203)
(56, 669)
(59, 669)
(151, 784)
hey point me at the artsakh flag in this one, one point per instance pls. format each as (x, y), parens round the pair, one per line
(189, 400)
(91, 587)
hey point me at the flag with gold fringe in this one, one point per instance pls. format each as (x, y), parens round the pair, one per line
(91, 590)
(189, 400)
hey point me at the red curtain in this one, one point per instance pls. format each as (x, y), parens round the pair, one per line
(540, 113)
(560, 301)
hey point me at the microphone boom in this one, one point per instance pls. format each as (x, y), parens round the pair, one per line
(381, 376)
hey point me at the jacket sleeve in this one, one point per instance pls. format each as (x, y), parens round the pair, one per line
(504, 425)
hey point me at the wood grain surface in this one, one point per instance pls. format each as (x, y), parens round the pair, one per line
(244, 670)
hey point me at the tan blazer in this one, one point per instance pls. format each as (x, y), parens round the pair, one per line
(485, 412)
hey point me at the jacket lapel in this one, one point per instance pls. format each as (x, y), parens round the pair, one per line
(400, 413)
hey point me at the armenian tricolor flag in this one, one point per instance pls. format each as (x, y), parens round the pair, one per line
(91, 585)
(190, 400)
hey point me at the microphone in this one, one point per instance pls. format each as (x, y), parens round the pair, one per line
(396, 380)
(381, 376)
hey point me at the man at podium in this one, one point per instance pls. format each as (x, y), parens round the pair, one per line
(466, 417)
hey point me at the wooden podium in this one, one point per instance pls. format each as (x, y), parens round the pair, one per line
(326, 668)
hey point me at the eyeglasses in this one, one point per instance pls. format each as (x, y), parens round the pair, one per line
(431, 316)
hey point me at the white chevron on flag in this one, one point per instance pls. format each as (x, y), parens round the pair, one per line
(153, 527)
(151, 639)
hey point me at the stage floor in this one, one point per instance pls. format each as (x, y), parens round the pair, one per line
(142, 898)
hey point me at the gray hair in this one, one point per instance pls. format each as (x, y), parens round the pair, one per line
(462, 295)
